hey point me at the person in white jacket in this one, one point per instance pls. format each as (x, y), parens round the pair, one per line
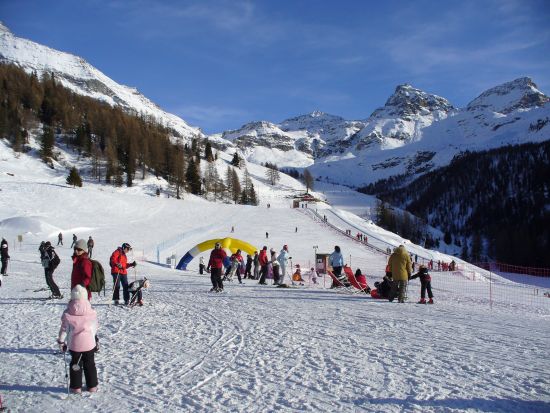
(283, 261)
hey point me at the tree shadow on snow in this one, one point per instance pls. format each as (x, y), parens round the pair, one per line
(491, 404)
(34, 389)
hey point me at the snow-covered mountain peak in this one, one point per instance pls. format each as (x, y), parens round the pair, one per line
(82, 78)
(409, 101)
(4, 29)
(316, 119)
(521, 93)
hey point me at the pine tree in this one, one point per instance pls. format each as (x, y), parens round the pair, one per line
(272, 173)
(74, 178)
(236, 161)
(236, 186)
(192, 177)
(308, 180)
(47, 144)
(208, 152)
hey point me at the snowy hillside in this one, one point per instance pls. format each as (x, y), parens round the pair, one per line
(254, 348)
(82, 78)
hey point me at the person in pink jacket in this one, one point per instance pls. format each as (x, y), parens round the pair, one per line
(78, 334)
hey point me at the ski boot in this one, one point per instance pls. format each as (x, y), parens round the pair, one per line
(431, 301)
(422, 301)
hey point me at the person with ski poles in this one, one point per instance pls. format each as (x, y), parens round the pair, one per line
(215, 265)
(119, 271)
(78, 334)
(60, 239)
(50, 261)
(74, 241)
(4, 256)
(283, 261)
(82, 268)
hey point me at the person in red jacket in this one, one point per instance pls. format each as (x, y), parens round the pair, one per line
(215, 265)
(119, 265)
(82, 267)
(264, 260)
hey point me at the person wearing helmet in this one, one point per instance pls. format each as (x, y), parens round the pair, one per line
(283, 261)
(119, 271)
(215, 265)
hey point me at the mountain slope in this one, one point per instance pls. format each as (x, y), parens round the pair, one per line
(82, 78)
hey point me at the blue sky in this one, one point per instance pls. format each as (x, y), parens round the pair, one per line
(220, 64)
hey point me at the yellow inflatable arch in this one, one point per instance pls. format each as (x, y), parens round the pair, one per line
(232, 244)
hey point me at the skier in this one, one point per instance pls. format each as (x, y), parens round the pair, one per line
(60, 239)
(74, 240)
(90, 245)
(50, 261)
(215, 264)
(275, 267)
(135, 288)
(78, 335)
(283, 261)
(4, 256)
(201, 265)
(256, 265)
(263, 261)
(248, 268)
(266, 235)
(313, 275)
(82, 268)
(401, 269)
(236, 262)
(119, 265)
(336, 261)
(425, 284)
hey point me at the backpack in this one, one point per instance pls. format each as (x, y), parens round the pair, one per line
(97, 283)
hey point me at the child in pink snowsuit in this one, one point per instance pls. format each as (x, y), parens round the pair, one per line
(78, 334)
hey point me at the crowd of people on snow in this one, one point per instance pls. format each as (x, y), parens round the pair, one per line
(260, 266)
(79, 324)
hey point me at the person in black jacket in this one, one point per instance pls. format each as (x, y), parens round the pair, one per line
(4, 256)
(425, 284)
(50, 261)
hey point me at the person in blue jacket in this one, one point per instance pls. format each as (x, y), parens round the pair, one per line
(336, 261)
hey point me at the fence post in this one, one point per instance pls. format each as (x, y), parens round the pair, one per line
(491, 289)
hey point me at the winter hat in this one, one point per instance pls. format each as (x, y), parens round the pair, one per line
(79, 293)
(81, 245)
(285, 247)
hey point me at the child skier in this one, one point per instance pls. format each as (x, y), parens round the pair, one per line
(78, 334)
(135, 288)
(313, 275)
(425, 284)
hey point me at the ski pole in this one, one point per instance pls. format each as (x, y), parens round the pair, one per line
(66, 373)
(114, 287)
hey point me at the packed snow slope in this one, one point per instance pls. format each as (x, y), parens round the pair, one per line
(254, 348)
